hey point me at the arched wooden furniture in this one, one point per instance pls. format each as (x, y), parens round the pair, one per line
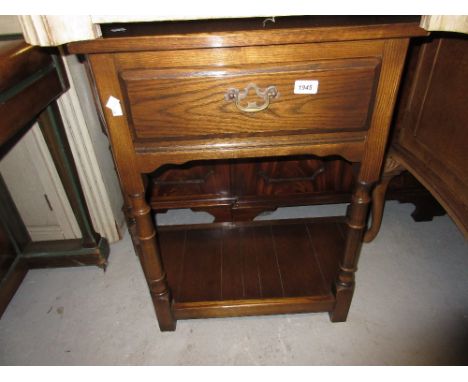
(165, 94)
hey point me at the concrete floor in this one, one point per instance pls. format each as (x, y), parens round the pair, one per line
(410, 308)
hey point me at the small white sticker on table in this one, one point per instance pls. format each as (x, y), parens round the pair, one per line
(306, 86)
(114, 104)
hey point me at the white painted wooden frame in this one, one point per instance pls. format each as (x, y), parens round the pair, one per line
(107, 219)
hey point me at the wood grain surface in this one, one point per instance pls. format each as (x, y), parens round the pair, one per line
(252, 261)
(170, 104)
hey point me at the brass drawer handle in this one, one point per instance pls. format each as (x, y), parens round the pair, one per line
(236, 96)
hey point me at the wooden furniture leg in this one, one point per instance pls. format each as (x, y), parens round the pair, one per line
(92, 245)
(151, 262)
(356, 222)
(392, 168)
(14, 237)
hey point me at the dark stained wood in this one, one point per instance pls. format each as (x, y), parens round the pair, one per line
(17, 111)
(432, 126)
(356, 217)
(359, 67)
(391, 169)
(300, 272)
(252, 285)
(241, 190)
(329, 238)
(13, 238)
(253, 307)
(175, 245)
(233, 282)
(291, 177)
(270, 274)
(251, 261)
(201, 277)
(255, 23)
(19, 60)
(209, 182)
(11, 281)
(65, 253)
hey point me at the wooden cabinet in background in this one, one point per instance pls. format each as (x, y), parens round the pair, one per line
(431, 139)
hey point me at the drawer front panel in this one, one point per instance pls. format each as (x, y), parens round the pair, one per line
(191, 103)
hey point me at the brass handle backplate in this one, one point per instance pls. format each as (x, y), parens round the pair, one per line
(236, 96)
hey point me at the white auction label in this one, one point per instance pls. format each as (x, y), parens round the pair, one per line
(306, 87)
(114, 104)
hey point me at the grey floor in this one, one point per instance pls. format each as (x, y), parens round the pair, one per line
(410, 308)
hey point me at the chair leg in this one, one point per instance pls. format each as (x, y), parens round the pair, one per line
(392, 169)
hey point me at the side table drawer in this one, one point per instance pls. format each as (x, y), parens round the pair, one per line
(250, 100)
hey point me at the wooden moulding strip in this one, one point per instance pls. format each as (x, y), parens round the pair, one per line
(148, 161)
(232, 308)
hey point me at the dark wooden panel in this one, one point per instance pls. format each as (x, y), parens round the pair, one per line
(196, 183)
(17, 112)
(433, 134)
(19, 60)
(174, 244)
(268, 267)
(254, 23)
(247, 251)
(299, 268)
(201, 275)
(249, 261)
(327, 238)
(232, 272)
(287, 177)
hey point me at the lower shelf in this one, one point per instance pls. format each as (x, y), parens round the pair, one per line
(265, 267)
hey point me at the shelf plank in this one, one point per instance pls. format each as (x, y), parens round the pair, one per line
(217, 270)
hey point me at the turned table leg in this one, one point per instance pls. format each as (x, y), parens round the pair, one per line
(151, 262)
(356, 223)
